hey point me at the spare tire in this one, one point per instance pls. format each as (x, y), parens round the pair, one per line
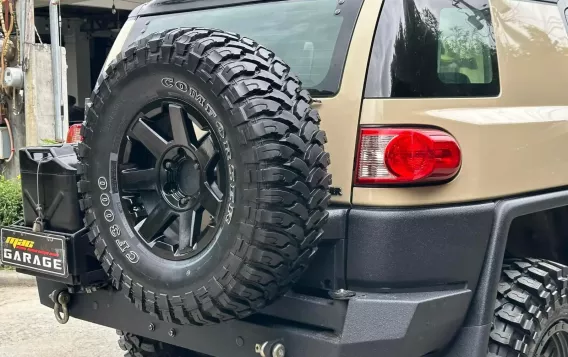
(203, 175)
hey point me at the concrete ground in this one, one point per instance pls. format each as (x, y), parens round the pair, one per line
(28, 329)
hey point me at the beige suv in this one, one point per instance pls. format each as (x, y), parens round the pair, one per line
(433, 223)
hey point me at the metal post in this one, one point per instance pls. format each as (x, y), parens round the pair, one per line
(22, 8)
(56, 67)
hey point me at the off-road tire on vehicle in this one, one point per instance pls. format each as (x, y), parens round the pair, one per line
(531, 312)
(138, 346)
(280, 174)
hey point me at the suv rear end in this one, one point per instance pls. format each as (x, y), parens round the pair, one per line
(405, 267)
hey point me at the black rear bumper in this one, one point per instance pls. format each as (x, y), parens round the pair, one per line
(400, 324)
(413, 273)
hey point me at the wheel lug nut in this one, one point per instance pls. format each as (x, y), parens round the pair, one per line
(168, 164)
(184, 201)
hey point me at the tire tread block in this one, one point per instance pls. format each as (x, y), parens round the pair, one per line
(530, 292)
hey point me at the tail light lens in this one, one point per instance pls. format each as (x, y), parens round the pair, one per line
(74, 133)
(406, 155)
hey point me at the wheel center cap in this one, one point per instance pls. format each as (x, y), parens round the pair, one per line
(180, 177)
(188, 177)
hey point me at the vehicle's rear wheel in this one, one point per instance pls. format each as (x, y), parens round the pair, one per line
(137, 346)
(531, 312)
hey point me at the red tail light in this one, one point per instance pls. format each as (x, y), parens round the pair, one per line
(74, 133)
(406, 155)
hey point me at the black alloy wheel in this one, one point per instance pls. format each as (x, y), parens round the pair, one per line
(555, 341)
(173, 179)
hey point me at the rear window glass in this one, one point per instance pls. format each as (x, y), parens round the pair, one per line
(464, 46)
(434, 48)
(312, 36)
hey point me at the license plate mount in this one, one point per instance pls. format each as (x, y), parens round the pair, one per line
(45, 253)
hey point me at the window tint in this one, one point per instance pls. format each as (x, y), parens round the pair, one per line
(433, 48)
(312, 36)
(464, 48)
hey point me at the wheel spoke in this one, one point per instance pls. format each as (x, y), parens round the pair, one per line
(141, 132)
(183, 134)
(548, 352)
(213, 163)
(563, 340)
(189, 228)
(210, 200)
(136, 208)
(138, 180)
(217, 175)
(157, 222)
(206, 152)
(127, 151)
(555, 346)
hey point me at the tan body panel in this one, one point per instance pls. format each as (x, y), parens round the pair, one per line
(512, 144)
(340, 114)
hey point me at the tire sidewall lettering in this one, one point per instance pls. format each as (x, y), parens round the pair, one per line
(114, 230)
(102, 183)
(105, 199)
(168, 82)
(109, 216)
(182, 86)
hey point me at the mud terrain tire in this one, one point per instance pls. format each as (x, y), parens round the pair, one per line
(531, 312)
(273, 148)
